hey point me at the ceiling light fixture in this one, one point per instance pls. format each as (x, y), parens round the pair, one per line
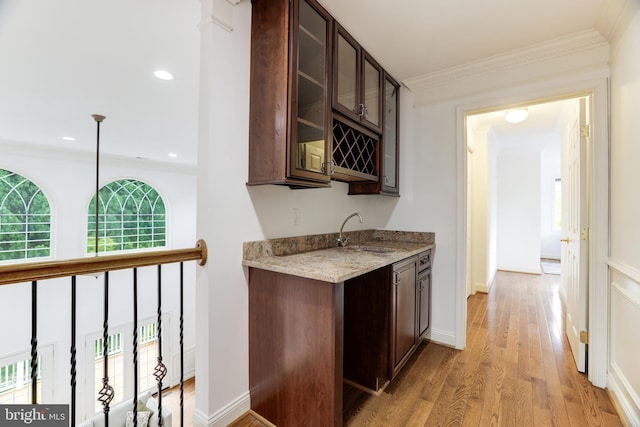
(516, 115)
(163, 75)
(68, 138)
(173, 155)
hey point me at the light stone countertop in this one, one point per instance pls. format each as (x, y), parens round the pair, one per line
(333, 264)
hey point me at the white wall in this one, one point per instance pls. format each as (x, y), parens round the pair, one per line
(519, 210)
(624, 262)
(68, 179)
(550, 171)
(482, 169)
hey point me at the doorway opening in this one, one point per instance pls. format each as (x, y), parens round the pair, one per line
(526, 197)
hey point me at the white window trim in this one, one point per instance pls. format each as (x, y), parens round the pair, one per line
(86, 405)
(47, 374)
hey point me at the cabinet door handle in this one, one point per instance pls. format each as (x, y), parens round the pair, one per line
(421, 285)
(363, 110)
(396, 278)
(332, 168)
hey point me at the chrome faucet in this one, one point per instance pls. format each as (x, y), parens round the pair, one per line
(345, 242)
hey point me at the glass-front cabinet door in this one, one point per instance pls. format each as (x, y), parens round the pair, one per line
(390, 137)
(346, 97)
(371, 87)
(310, 131)
(357, 85)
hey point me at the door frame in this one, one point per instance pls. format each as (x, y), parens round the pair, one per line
(598, 299)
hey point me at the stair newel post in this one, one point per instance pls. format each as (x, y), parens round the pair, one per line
(160, 370)
(34, 342)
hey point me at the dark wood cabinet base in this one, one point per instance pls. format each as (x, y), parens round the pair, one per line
(307, 337)
(295, 349)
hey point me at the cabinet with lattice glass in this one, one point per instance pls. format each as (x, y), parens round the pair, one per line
(290, 128)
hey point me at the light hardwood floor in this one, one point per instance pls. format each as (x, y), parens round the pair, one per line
(517, 370)
(171, 400)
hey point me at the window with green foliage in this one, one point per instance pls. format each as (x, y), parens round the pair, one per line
(131, 215)
(25, 218)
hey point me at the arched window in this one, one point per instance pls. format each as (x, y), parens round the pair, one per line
(25, 218)
(131, 216)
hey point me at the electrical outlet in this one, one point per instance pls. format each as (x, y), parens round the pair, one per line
(296, 216)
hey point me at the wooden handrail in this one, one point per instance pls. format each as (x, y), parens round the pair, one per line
(18, 273)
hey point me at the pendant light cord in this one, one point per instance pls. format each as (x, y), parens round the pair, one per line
(98, 118)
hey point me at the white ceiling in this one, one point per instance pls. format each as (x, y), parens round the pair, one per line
(549, 115)
(62, 61)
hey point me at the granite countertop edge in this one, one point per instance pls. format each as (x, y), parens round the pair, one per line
(317, 257)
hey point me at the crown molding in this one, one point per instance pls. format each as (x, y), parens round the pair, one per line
(218, 12)
(559, 47)
(615, 16)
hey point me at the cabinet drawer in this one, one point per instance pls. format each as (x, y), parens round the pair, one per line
(424, 260)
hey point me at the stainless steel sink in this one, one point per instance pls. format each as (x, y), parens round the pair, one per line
(376, 249)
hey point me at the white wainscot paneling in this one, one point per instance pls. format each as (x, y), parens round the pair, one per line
(624, 374)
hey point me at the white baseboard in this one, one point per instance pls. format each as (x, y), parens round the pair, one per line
(626, 401)
(224, 416)
(443, 337)
(486, 287)
(482, 287)
(526, 270)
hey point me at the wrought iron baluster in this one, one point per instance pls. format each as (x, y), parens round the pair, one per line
(135, 347)
(106, 394)
(160, 370)
(73, 351)
(34, 342)
(181, 344)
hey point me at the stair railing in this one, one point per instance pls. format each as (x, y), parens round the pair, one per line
(36, 271)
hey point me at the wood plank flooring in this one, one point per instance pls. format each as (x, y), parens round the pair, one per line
(171, 400)
(517, 370)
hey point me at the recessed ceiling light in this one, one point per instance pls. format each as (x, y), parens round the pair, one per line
(173, 155)
(68, 138)
(163, 75)
(516, 115)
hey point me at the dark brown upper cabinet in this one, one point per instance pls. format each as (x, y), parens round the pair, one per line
(290, 112)
(389, 182)
(358, 82)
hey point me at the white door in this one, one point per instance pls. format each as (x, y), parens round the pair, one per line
(575, 231)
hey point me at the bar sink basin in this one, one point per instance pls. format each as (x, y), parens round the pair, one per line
(375, 249)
